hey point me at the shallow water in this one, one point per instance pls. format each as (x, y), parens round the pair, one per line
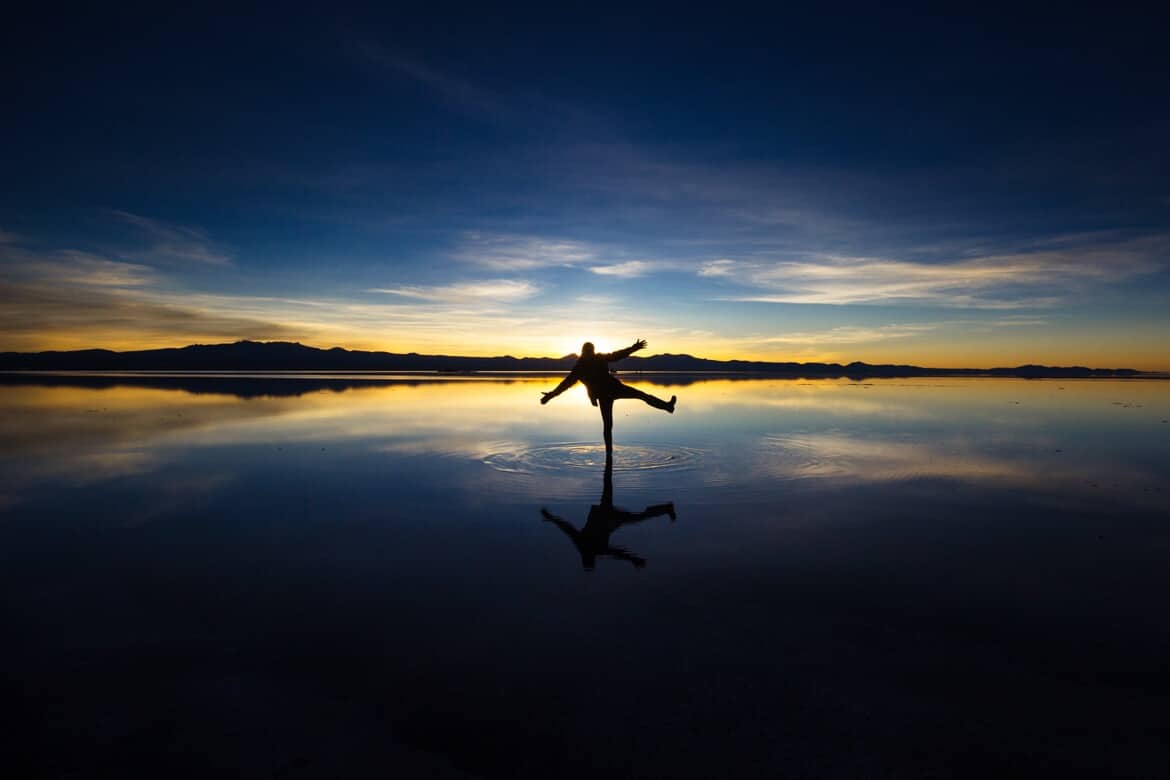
(900, 577)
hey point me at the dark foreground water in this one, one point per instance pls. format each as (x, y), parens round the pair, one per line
(321, 578)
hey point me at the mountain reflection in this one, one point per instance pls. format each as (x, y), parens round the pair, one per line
(240, 386)
(289, 385)
(592, 540)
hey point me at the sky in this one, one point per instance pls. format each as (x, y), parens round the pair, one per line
(818, 185)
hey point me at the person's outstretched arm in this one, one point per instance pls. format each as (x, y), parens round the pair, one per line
(625, 353)
(565, 384)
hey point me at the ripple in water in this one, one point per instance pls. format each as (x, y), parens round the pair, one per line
(799, 458)
(585, 455)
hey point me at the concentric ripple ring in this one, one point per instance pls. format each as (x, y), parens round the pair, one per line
(588, 455)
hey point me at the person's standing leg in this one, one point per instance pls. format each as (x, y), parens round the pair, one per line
(606, 405)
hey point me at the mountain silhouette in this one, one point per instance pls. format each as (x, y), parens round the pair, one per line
(293, 356)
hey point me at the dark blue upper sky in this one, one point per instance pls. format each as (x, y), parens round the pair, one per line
(866, 182)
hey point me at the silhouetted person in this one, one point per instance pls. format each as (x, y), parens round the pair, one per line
(592, 370)
(604, 518)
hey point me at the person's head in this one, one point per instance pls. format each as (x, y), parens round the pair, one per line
(587, 349)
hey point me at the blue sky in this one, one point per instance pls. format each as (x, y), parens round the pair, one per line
(849, 184)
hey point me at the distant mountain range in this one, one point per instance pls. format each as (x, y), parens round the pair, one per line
(287, 356)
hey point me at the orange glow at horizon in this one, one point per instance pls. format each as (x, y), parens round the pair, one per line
(1140, 354)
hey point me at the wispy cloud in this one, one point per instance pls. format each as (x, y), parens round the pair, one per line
(628, 269)
(70, 316)
(519, 253)
(722, 267)
(68, 299)
(855, 334)
(597, 300)
(86, 269)
(169, 243)
(70, 266)
(478, 99)
(1038, 278)
(633, 187)
(852, 334)
(457, 92)
(491, 290)
(522, 253)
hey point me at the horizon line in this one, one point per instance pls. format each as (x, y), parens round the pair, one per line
(574, 354)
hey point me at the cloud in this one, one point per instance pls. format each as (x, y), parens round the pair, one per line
(97, 271)
(721, 267)
(629, 269)
(524, 253)
(1040, 278)
(626, 270)
(69, 266)
(450, 89)
(69, 299)
(853, 335)
(510, 107)
(519, 253)
(1014, 321)
(174, 243)
(492, 290)
(74, 316)
(728, 202)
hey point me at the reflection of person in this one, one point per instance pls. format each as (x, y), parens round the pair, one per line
(592, 369)
(604, 518)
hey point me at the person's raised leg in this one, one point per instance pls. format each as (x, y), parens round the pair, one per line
(632, 392)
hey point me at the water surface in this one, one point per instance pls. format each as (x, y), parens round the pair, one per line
(297, 576)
